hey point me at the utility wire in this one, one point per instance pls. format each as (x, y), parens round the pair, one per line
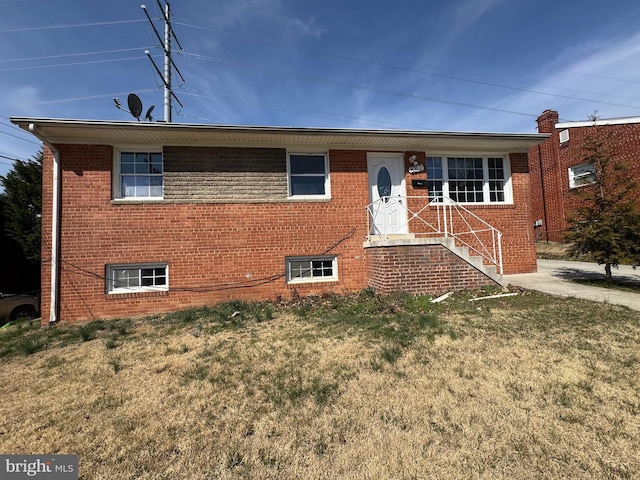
(88, 62)
(254, 282)
(18, 129)
(356, 86)
(346, 57)
(19, 138)
(13, 160)
(103, 52)
(75, 25)
(315, 113)
(91, 97)
(462, 79)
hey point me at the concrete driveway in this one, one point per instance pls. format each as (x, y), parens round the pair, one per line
(554, 277)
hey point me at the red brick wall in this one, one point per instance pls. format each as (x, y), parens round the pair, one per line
(546, 172)
(218, 251)
(549, 165)
(421, 270)
(513, 220)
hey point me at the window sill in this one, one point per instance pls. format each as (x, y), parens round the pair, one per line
(575, 187)
(136, 201)
(470, 206)
(308, 199)
(119, 296)
(312, 282)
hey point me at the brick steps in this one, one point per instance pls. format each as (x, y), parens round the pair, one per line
(462, 252)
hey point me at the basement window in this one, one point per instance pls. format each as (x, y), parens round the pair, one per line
(131, 278)
(582, 174)
(312, 269)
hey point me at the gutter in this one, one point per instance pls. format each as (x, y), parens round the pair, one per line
(55, 227)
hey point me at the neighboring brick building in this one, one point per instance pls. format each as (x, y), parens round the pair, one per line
(558, 165)
(154, 217)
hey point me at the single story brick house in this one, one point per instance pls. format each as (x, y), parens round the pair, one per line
(141, 218)
(558, 165)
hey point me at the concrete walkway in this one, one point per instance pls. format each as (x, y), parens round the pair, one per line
(554, 277)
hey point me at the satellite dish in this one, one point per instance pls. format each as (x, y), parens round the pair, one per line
(135, 105)
(148, 114)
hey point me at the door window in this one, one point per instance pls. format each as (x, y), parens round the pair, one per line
(384, 184)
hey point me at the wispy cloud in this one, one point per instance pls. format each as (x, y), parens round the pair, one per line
(468, 12)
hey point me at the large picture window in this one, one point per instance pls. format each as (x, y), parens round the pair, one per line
(308, 175)
(469, 179)
(148, 277)
(139, 175)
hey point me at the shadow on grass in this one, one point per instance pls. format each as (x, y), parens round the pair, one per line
(595, 279)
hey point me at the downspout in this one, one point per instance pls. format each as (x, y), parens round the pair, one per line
(55, 227)
(544, 201)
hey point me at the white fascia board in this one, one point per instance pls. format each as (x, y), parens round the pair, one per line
(601, 122)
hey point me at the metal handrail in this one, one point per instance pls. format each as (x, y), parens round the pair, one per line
(447, 210)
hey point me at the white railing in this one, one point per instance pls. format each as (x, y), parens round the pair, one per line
(439, 216)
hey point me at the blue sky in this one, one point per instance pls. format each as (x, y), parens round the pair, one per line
(458, 65)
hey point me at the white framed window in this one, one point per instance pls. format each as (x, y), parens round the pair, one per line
(582, 174)
(308, 175)
(143, 277)
(312, 269)
(464, 179)
(138, 175)
(564, 136)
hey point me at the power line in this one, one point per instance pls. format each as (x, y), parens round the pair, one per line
(88, 62)
(18, 129)
(346, 57)
(424, 72)
(74, 25)
(19, 138)
(12, 159)
(356, 86)
(74, 55)
(328, 115)
(76, 99)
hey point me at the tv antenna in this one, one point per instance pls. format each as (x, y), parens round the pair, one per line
(135, 107)
(169, 64)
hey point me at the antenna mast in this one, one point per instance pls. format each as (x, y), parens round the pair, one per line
(169, 64)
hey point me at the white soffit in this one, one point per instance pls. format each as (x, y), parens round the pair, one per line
(62, 131)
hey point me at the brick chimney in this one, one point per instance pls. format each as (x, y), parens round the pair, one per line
(547, 121)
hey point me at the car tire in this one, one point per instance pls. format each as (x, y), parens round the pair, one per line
(23, 311)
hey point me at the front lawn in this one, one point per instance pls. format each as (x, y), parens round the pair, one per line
(361, 386)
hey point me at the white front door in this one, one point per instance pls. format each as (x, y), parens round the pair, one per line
(388, 213)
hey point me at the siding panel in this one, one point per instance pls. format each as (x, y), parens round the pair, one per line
(224, 174)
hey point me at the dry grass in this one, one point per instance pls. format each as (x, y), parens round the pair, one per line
(363, 388)
(553, 251)
(558, 251)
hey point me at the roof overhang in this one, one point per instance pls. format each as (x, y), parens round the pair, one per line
(124, 134)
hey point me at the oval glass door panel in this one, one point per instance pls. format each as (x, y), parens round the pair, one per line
(384, 184)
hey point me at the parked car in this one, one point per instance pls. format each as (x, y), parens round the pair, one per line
(15, 306)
